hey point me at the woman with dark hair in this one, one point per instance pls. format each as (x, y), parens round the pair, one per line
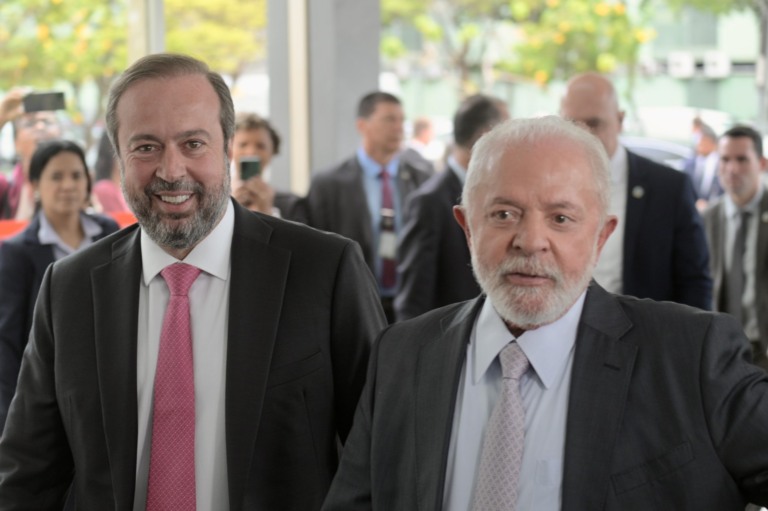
(61, 184)
(107, 195)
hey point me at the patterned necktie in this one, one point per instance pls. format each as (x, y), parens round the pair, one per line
(736, 277)
(388, 264)
(496, 488)
(172, 458)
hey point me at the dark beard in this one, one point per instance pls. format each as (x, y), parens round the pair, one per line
(192, 228)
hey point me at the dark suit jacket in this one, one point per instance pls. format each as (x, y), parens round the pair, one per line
(665, 412)
(665, 248)
(23, 261)
(715, 223)
(715, 189)
(287, 204)
(303, 310)
(433, 257)
(336, 201)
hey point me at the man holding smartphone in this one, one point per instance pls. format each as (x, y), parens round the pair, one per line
(30, 127)
(254, 145)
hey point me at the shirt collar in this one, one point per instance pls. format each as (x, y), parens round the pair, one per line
(372, 168)
(547, 348)
(212, 254)
(619, 165)
(457, 169)
(732, 210)
(47, 235)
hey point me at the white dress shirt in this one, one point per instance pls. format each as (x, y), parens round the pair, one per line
(209, 307)
(545, 388)
(47, 235)
(609, 271)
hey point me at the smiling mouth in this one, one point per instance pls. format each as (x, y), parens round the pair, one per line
(174, 199)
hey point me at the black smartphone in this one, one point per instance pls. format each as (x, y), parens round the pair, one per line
(249, 166)
(44, 101)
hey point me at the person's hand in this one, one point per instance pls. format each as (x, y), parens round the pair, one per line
(11, 105)
(256, 195)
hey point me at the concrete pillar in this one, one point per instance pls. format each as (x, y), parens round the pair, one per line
(323, 57)
(146, 26)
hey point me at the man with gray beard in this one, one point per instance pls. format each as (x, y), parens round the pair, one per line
(206, 358)
(548, 392)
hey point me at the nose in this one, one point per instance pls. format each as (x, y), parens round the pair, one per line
(172, 166)
(531, 236)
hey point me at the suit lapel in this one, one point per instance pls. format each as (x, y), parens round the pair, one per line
(406, 182)
(762, 241)
(257, 285)
(116, 303)
(357, 211)
(602, 368)
(637, 188)
(439, 365)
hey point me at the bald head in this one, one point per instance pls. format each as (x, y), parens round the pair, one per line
(590, 99)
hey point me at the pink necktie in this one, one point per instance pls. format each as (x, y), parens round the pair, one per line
(499, 472)
(172, 459)
(388, 265)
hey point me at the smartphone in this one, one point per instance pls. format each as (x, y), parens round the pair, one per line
(44, 101)
(249, 166)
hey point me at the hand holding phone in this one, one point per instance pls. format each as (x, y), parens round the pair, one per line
(43, 101)
(249, 166)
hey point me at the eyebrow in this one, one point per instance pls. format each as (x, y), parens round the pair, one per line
(180, 136)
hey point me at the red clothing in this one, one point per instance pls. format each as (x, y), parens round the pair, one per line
(10, 192)
(110, 196)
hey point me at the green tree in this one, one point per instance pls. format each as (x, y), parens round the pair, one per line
(47, 43)
(228, 34)
(541, 40)
(79, 44)
(461, 30)
(560, 38)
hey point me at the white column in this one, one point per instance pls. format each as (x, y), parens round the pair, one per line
(316, 80)
(146, 28)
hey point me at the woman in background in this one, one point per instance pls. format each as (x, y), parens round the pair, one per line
(61, 184)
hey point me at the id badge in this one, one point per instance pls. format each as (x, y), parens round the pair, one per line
(387, 245)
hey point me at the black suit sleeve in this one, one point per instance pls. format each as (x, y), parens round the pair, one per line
(418, 257)
(357, 318)
(316, 206)
(735, 401)
(692, 282)
(15, 289)
(351, 487)
(36, 466)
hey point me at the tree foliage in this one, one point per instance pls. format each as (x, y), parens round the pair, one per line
(79, 43)
(560, 38)
(541, 40)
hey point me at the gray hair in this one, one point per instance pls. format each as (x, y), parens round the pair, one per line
(489, 149)
(168, 65)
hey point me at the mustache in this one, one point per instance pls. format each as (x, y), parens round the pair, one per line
(528, 266)
(158, 185)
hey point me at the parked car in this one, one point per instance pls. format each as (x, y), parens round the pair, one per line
(671, 154)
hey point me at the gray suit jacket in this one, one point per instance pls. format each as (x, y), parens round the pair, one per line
(665, 412)
(715, 225)
(336, 201)
(303, 310)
